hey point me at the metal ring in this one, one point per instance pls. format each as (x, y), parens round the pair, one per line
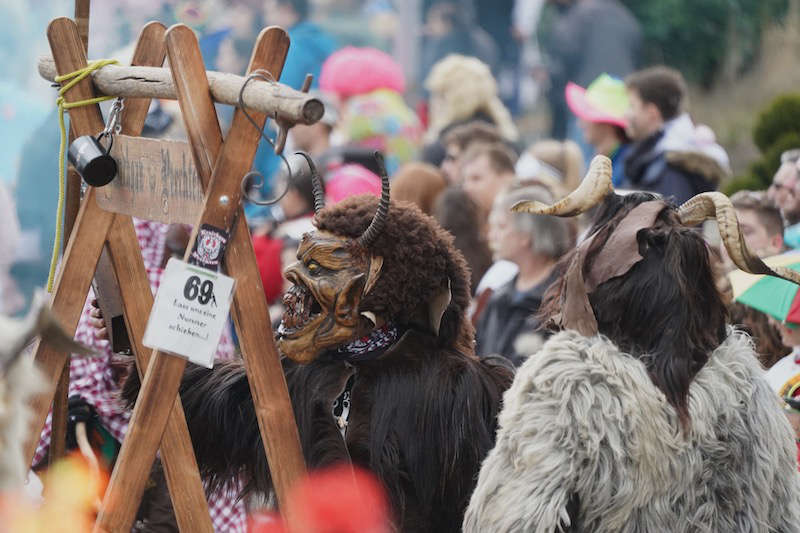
(247, 180)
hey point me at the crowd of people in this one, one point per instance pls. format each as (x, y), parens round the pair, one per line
(459, 159)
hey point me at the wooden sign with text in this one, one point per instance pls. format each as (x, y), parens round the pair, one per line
(156, 180)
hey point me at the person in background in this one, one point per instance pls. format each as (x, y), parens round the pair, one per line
(449, 29)
(785, 192)
(497, 17)
(462, 89)
(508, 325)
(369, 85)
(585, 39)
(459, 139)
(760, 221)
(11, 300)
(670, 155)
(487, 169)
(311, 45)
(315, 139)
(418, 183)
(762, 228)
(564, 158)
(601, 109)
(458, 213)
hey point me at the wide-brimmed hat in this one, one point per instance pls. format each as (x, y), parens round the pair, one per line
(604, 100)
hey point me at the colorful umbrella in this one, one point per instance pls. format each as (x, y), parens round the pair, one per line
(768, 294)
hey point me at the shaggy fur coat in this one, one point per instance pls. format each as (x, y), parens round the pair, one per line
(587, 443)
(421, 419)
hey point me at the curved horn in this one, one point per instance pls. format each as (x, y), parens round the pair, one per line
(716, 205)
(594, 187)
(316, 183)
(379, 220)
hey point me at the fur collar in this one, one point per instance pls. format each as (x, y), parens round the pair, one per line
(583, 423)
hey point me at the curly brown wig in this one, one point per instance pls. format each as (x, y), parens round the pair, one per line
(418, 260)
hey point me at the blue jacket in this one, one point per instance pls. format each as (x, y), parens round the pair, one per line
(310, 47)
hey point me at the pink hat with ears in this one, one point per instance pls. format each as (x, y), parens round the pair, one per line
(350, 180)
(351, 71)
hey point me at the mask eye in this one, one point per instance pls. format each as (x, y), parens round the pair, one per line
(313, 267)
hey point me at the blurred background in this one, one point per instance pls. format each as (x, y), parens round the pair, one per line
(738, 57)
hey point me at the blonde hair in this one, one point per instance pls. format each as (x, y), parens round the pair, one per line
(564, 156)
(465, 86)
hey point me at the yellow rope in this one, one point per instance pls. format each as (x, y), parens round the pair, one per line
(75, 78)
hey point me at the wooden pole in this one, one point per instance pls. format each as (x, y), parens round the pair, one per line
(292, 106)
(93, 227)
(72, 203)
(228, 163)
(83, 249)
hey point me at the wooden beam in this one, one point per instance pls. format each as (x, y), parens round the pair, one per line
(163, 375)
(180, 467)
(292, 106)
(72, 204)
(164, 372)
(80, 256)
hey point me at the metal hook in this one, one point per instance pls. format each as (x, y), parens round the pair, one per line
(247, 180)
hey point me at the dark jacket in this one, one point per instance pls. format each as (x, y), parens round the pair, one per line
(649, 168)
(593, 37)
(508, 317)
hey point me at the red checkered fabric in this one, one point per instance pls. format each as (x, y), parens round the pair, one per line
(92, 379)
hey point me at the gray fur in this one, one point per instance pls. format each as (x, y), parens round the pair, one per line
(582, 418)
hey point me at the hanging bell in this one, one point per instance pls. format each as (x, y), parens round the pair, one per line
(93, 162)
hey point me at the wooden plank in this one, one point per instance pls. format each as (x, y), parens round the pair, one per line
(83, 249)
(164, 372)
(291, 105)
(82, 9)
(156, 180)
(58, 422)
(250, 311)
(72, 204)
(180, 467)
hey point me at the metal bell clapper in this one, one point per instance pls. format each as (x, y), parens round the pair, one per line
(93, 162)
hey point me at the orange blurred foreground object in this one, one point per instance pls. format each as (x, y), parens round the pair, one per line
(70, 493)
(340, 499)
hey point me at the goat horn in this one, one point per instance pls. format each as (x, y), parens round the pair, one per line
(710, 205)
(594, 187)
(379, 220)
(316, 183)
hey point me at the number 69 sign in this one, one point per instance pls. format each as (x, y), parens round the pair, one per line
(189, 312)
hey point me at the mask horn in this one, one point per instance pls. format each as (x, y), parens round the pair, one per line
(379, 220)
(316, 183)
(594, 187)
(715, 205)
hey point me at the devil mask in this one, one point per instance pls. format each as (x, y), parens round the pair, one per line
(368, 267)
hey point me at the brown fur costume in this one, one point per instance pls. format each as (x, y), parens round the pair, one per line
(422, 414)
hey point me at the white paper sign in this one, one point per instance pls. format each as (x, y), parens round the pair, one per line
(189, 312)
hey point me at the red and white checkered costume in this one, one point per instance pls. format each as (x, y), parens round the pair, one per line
(92, 379)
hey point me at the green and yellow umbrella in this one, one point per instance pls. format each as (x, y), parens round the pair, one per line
(768, 294)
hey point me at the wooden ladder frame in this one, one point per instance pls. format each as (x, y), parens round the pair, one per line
(220, 166)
